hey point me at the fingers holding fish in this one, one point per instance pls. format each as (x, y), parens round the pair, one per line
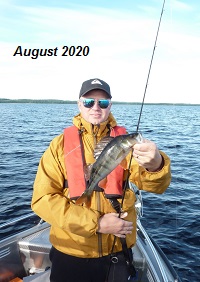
(111, 224)
(148, 155)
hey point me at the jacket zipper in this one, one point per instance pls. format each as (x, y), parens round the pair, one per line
(98, 201)
(99, 234)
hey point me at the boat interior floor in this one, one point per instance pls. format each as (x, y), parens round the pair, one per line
(30, 256)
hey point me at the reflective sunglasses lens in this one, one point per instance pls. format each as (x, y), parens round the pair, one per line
(88, 103)
(103, 104)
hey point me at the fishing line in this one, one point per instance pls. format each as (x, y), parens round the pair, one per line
(126, 182)
(150, 67)
(126, 185)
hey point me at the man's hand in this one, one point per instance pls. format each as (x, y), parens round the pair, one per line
(148, 156)
(110, 223)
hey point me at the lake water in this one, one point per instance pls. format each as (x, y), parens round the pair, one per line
(172, 219)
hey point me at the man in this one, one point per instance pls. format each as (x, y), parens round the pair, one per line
(84, 239)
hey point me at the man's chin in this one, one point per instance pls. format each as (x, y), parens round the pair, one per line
(96, 121)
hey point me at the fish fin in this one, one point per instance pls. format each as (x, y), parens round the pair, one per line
(87, 171)
(102, 183)
(123, 164)
(84, 198)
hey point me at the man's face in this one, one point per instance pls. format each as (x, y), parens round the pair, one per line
(95, 114)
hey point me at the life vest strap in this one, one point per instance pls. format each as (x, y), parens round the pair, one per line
(127, 254)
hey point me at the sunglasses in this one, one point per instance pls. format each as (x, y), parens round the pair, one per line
(89, 103)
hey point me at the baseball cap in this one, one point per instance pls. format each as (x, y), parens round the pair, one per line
(93, 84)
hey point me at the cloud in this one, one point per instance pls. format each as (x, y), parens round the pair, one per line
(180, 6)
(121, 44)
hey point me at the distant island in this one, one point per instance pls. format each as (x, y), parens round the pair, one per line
(37, 101)
(55, 101)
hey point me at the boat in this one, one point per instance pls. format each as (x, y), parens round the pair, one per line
(24, 256)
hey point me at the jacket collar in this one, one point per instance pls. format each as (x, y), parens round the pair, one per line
(96, 130)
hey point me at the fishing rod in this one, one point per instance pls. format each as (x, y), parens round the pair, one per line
(154, 47)
(150, 66)
(124, 247)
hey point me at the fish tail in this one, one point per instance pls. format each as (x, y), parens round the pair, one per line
(84, 198)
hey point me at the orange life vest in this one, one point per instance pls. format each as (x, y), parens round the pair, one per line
(74, 165)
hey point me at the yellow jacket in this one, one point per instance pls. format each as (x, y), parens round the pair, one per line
(73, 227)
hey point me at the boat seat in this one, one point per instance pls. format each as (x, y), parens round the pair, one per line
(35, 250)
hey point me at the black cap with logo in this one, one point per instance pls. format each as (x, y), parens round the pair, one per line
(93, 84)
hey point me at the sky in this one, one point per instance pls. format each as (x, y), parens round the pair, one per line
(115, 40)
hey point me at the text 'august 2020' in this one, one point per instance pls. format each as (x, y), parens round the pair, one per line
(65, 51)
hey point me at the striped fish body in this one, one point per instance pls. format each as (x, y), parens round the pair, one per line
(111, 156)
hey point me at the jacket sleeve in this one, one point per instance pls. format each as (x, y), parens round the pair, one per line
(155, 182)
(49, 201)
